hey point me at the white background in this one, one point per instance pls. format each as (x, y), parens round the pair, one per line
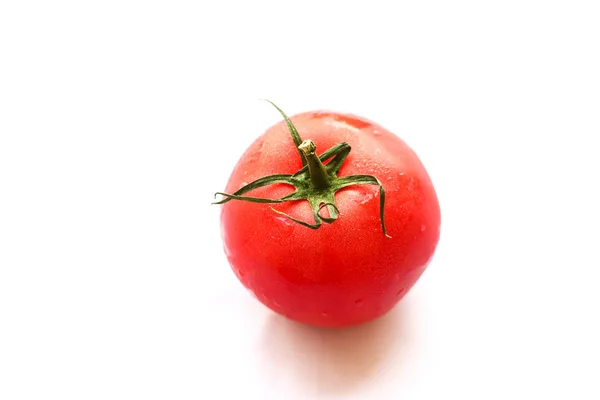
(119, 119)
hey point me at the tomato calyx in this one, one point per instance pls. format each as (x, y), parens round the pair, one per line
(315, 182)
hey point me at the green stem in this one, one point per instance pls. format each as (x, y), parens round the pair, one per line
(318, 174)
(314, 182)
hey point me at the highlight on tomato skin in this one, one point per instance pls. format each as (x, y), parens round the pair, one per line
(329, 219)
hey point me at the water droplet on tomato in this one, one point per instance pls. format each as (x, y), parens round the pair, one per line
(284, 221)
(359, 302)
(376, 132)
(367, 198)
(399, 292)
(324, 314)
(252, 158)
(423, 228)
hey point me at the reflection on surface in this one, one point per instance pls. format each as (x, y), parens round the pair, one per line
(328, 360)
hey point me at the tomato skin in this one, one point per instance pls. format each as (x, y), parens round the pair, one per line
(347, 272)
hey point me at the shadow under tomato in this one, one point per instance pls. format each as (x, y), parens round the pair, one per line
(327, 360)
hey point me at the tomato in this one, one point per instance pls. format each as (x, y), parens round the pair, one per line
(331, 253)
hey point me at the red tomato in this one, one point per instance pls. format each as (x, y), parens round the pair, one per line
(346, 271)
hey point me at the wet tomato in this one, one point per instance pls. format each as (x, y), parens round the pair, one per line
(333, 230)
